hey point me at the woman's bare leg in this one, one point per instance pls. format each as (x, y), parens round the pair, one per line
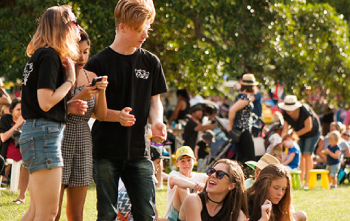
(46, 185)
(75, 202)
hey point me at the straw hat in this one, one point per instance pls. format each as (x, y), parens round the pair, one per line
(248, 80)
(290, 103)
(265, 160)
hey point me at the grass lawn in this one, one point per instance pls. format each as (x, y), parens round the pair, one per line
(319, 204)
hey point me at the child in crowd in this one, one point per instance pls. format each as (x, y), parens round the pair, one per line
(333, 157)
(124, 204)
(276, 148)
(202, 149)
(292, 160)
(265, 160)
(181, 182)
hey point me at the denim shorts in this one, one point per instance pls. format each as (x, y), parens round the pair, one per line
(40, 144)
(333, 169)
(308, 145)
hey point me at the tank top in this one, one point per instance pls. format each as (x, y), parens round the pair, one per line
(182, 113)
(221, 215)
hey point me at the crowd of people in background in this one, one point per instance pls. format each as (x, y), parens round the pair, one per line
(63, 88)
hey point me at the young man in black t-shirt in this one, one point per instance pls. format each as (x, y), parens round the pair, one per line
(120, 143)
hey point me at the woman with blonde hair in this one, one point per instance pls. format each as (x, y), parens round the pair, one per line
(269, 199)
(48, 76)
(223, 197)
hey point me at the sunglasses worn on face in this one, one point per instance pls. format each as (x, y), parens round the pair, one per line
(75, 21)
(218, 173)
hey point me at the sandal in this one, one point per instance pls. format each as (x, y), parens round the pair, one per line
(18, 201)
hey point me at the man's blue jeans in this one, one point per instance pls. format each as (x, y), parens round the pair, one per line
(137, 178)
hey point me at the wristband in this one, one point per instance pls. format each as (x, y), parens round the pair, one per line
(68, 80)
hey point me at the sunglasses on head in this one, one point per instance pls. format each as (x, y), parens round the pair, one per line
(218, 173)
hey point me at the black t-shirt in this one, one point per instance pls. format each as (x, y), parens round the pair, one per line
(6, 122)
(305, 112)
(203, 150)
(133, 80)
(190, 135)
(43, 70)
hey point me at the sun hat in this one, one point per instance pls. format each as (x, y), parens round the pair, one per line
(248, 80)
(265, 160)
(184, 151)
(290, 103)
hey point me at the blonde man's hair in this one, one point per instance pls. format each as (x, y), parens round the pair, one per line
(55, 31)
(334, 135)
(134, 13)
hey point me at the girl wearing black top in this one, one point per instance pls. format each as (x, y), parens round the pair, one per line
(48, 76)
(182, 107)
(223, 197)
(9, 125)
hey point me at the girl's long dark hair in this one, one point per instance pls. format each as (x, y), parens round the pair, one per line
(14, 104)
(236, 199)
(258, 193)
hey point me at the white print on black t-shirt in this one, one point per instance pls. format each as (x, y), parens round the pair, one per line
(27, 70)
(141, 74)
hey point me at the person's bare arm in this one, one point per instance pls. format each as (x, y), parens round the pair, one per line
(47, 98)
(100, 109)
(290, 159)
(285, 129)
(335, 155)
(123, 116)
(320, 147)
(7, 135)
(196, 151)
(201, 127)
(5, 98)
(155, 118)
(76, 106)
(177, 110)
(184, 183)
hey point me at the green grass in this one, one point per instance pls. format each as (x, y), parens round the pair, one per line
(319, 204)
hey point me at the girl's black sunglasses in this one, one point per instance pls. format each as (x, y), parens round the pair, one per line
(218, 173)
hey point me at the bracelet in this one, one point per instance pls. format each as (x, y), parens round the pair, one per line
(68, 80)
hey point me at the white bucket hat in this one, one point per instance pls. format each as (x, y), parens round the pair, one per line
(248, 80)
(290, 103)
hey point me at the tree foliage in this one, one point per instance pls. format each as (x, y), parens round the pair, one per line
(304, 45)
